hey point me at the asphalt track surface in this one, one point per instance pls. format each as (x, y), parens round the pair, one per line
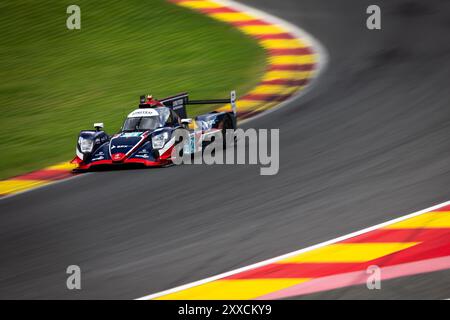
(369, 143)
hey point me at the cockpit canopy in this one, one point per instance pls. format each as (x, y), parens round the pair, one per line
(149, 119)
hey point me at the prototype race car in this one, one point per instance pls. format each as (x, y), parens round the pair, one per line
(147, 135)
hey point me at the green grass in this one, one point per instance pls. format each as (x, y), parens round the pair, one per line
(56, 82)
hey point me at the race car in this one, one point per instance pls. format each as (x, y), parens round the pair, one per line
(147, 135)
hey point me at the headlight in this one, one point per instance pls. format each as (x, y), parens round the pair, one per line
(86, 145)
(159, 140)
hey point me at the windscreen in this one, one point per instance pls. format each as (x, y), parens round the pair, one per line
(142, 124)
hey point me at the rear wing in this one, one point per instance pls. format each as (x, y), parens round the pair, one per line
(179, 102)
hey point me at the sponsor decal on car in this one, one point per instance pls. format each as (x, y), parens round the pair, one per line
(145, 156)
(143, 113)
(131, 134)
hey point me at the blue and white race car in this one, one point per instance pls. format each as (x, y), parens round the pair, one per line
(147, 135)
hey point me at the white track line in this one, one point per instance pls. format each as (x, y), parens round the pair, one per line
(290, 254)
(322, 62)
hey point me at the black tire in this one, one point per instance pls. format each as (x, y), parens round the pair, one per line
(227, 124)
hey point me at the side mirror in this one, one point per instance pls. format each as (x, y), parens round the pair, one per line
(98, 126)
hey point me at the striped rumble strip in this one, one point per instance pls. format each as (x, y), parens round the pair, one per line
(291, 61)
(409, 245)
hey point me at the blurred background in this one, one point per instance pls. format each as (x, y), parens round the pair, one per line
(368, 143)
(56, 82)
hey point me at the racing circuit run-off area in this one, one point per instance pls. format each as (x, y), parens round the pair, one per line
(234, 158)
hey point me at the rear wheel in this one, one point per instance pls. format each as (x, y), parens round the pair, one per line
(227, 124)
